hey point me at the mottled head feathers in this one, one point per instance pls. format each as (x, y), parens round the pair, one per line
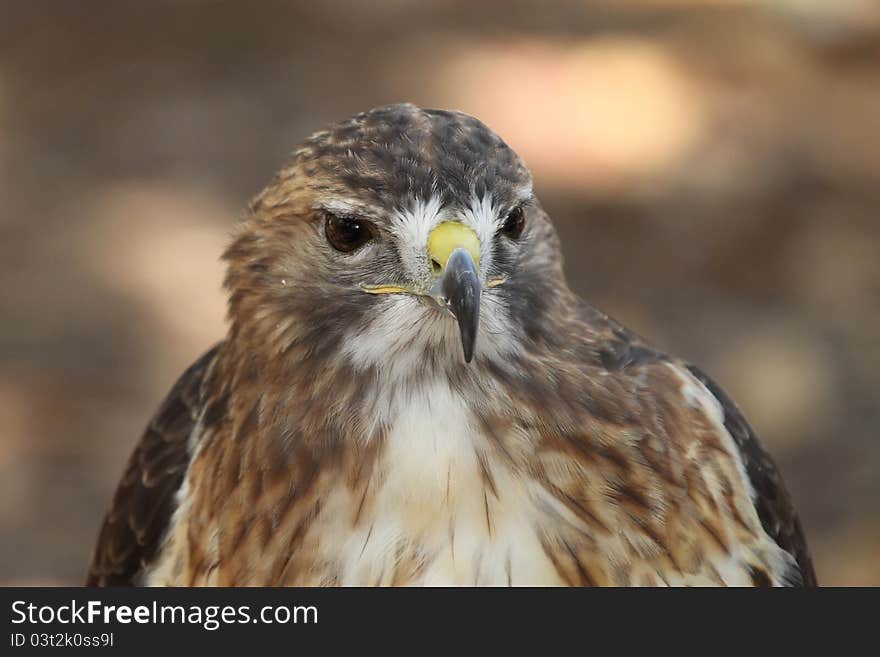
(402, 170)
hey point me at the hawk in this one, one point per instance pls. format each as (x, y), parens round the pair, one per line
(410, 394)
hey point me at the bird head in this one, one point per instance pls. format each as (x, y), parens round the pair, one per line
(400, 235)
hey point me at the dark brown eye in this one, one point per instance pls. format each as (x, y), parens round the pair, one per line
(347, 233)
(514, 223)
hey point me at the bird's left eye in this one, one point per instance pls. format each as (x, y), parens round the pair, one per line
(514, 223)
(346, 234)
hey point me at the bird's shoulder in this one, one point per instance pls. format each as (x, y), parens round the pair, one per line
(136, 524)
(622, 352)
(771, 497)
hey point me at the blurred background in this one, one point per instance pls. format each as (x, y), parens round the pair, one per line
(713, 168)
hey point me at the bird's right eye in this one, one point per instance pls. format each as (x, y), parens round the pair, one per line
(347, 234)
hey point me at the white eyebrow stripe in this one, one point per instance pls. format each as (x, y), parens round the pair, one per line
(524, 192)
(481, 216)
(344, 207)
(416, 220)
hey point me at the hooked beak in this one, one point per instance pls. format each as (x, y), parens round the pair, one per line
(454, 256)
(458, 289)
(454, 253)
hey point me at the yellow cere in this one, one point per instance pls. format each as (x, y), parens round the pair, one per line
(495, 282)
(449, 236)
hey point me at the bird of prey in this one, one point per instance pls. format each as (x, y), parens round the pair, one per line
(410, 394)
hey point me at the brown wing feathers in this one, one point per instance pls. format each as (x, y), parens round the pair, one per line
(144, 502)
(772, 500)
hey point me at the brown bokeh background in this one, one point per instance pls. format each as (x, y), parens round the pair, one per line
(713, 168)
